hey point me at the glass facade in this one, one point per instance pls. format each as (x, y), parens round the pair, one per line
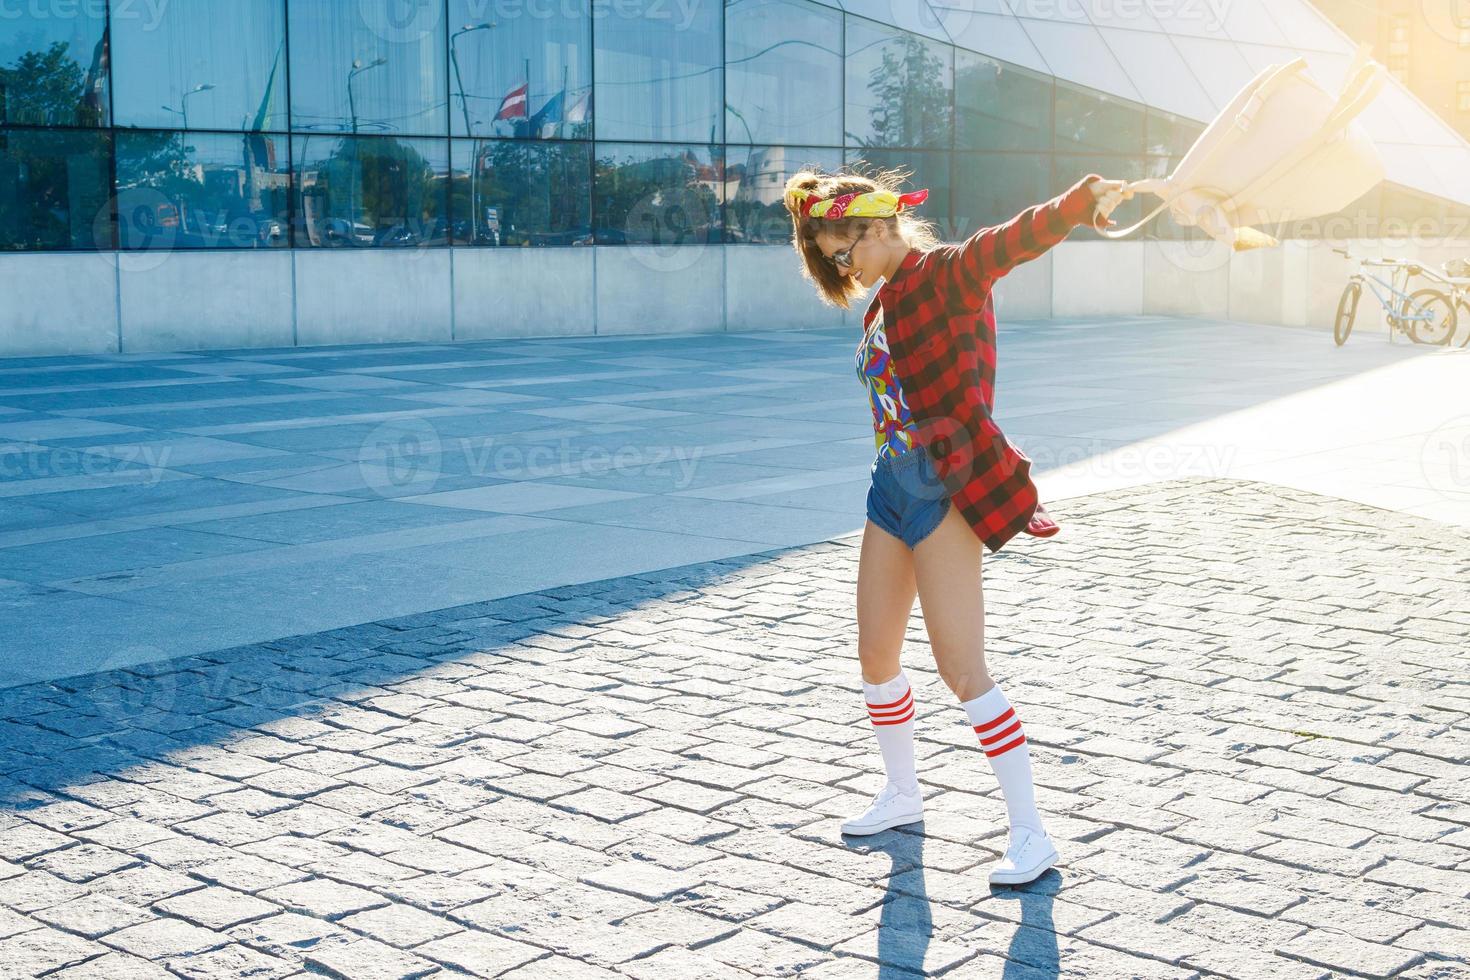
(198, 124)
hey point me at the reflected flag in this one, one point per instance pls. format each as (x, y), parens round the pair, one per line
(513, 106)
(550, 113)
(579, 109)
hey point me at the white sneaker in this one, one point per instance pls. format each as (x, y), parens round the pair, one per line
(1029, 855)
(890, 808)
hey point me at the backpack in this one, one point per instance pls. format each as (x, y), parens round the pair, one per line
(1282, 149)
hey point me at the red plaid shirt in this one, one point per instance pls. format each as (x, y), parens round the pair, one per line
(940, 323)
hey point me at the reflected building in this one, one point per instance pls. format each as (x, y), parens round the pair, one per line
(535, 158)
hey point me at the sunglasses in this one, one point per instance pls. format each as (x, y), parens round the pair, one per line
(844, 257)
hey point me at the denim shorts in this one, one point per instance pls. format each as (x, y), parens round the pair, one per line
(906, 498)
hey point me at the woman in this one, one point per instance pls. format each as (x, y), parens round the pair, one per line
(945, 482)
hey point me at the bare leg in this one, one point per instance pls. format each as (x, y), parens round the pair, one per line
(885, 597)
(947, 572)
(947, 569)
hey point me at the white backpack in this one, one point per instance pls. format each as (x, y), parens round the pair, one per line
(1282, 149)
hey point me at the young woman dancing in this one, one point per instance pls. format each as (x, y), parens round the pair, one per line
(946, 483)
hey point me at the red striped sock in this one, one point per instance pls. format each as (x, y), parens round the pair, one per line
(1001, 736)
(891, 711)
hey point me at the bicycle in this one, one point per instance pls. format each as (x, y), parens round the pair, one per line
(1423, 313)
(1455, 279)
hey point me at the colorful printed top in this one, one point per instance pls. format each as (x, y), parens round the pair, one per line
(893, 423)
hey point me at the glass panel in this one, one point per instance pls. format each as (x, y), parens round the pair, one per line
(526, 72)
(928, 168)
(1167, 134)
(514, 192)
(1247, 20)
(907, 15)
(364, 68)
(53, 67)
(1373, 215)
(1089, 121)
(1067, 169)
(999, 106)
(990, 188)
(1158, 72)
(658, 69)
(370, 191)
(1077, 53)
(1452, 165)
(54, 190)
(1000, 36)
(1307, 28)
(203, 64)
(657, 195)
(756, 212)
(900, 88)
(783, 74)
(1218, 65)
(201, 190)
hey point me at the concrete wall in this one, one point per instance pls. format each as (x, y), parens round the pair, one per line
(86, 302)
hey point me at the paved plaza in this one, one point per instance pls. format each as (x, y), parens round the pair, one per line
(549, 736)
(153, 505)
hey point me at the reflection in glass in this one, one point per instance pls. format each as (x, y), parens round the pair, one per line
(370, 191)
(54, 189)
(203, 64)
(754, 210)
(658, 72)
(201, 190)
(899, 88)
(999, 106)
(657, 195)
(527, 73)
(783, 72)
(53, 69)
(991, 188)
(1088, 121)
(1068, 169)
(929, 168)
(363, 68)
(515, 192)
(1169, 135)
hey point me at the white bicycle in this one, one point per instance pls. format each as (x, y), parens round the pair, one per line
(1454, 282)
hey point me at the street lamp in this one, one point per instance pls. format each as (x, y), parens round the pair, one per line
(469, 129)
(357, 69)
(201, 87)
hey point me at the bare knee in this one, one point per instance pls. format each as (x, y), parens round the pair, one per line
(879, 666)
(967, 682)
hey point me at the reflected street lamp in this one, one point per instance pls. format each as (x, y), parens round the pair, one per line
(184, 102)
(357, 69)
(469, 129)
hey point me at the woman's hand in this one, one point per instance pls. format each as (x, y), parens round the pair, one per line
(1109, 194)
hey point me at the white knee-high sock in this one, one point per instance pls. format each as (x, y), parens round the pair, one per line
(999, 729)
(891, 710)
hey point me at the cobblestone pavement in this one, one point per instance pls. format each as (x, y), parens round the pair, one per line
(1247, 709)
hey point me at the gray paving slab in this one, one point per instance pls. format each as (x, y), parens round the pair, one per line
(1247, 721)
(168, 470)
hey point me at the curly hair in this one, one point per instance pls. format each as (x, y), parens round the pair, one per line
(834, 288)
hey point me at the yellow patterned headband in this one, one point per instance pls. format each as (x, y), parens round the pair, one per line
(859, 204)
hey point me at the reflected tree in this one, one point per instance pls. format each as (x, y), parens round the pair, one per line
(49, 88)
(910, 99)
